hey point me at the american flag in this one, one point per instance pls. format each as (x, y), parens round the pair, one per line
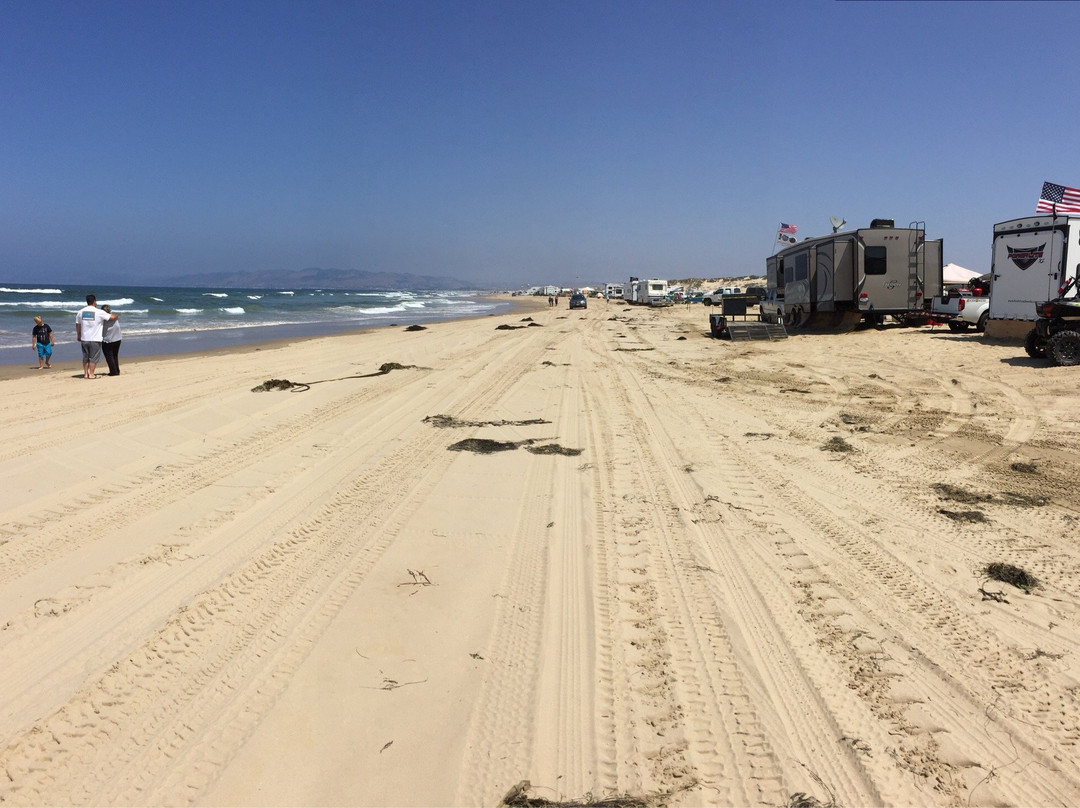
(790, 229)
(1058, 199)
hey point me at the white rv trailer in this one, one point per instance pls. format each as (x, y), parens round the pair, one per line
(866, 273)
(649, 292)
(1031, 258)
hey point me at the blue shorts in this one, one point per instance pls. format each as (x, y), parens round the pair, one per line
(44, 350)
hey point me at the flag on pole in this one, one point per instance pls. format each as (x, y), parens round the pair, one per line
(785, 239)
(1058, 199)
(790, 229)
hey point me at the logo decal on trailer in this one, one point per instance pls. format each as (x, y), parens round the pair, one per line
(1025, 258)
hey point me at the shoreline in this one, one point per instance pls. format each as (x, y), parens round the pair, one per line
(208, 343)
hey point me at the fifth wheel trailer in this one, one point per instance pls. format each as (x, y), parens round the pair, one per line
(846, 277)
(1032, 258)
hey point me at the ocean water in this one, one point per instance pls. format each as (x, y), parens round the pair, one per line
(165, 319)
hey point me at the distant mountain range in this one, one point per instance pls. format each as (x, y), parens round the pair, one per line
(315, 278)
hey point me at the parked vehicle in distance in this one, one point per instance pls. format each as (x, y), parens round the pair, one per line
(578, 301)
(960, 309)
(863, 274)
(771, 307)
(758, 292)
(716, 297)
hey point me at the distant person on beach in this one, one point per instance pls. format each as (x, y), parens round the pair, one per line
(551, 300)
(88, 327)
(110, 342)
(43, 343)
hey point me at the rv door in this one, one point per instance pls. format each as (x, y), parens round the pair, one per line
(1026, 267)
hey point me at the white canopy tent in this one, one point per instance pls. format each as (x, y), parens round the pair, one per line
(954, 273)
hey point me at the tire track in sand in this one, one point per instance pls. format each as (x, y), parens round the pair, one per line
(167, 717)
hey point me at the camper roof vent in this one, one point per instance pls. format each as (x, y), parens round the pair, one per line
(875, 223)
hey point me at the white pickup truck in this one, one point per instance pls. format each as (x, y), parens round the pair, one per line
(960, 310)
(716, 298)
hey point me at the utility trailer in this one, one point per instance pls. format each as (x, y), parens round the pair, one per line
(865, 274)
(1032, 259)
(734, 309)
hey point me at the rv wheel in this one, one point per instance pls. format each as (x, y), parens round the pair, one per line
(1034, 346)
(1064, 348)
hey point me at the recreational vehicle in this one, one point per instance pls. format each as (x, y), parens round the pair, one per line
(651, 292)
(1031, 259)
(860, 274)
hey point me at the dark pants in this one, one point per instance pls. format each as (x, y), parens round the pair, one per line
(112, 356)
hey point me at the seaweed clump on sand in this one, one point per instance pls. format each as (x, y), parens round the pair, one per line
(837, 444)
(483, 446)
(554, 449)
(488, 446)
(273, 384)
(416, 328)
(963, 516)
(450, 422)
(1011, 574)
(957, 494)
(518, 797)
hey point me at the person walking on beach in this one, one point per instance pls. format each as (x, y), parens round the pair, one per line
(43, 343)
(88, 327)
(110, 342)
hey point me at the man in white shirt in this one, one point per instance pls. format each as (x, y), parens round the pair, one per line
(88, 330)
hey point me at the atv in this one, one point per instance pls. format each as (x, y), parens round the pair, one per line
(1056, 334)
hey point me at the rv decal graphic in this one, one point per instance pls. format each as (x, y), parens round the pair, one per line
(1025, 258)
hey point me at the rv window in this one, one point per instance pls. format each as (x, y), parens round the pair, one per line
(802, 267)
(875, 260)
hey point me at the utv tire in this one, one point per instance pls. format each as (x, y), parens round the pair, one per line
(1034, 346)
(1063, 348)
(956, 327)
(982, 321)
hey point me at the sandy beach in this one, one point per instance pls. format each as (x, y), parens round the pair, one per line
(553, 554)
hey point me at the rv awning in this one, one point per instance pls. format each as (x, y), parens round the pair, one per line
(954, 273)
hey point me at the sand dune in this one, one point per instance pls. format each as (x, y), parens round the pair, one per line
(762, 576)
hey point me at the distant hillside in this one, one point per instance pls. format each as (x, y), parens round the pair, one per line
(315, 278)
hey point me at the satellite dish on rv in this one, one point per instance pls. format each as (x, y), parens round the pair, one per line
(837, 223)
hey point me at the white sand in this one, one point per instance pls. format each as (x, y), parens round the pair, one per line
(220, 597)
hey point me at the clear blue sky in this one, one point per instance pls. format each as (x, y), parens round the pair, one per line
(511, 142)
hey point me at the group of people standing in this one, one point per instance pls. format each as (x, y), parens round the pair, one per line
(96, 329)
